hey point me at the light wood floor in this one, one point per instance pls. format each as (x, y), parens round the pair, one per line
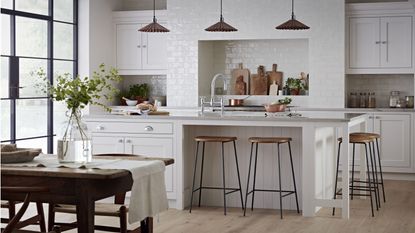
(397, 215)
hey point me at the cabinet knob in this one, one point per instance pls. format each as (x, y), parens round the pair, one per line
(148, 128)
(378, 117)
(144, 46)
(377, 42)
(138, 46)
(120, 140)
(370, 117)
(100, 127)
(384, 42)
(128, 141)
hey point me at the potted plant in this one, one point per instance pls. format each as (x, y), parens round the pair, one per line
(294, 85)
(77, 93)
(140, 92)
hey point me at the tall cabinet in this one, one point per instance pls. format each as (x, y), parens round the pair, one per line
(139, 53)
(379, 38)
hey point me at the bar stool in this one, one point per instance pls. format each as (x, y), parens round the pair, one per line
(376, 138)
(222, 140)
(270, 140)
(371, 182)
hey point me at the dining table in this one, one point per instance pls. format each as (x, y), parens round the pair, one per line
(75, 186)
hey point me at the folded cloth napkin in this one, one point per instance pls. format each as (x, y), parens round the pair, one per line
(148, 193)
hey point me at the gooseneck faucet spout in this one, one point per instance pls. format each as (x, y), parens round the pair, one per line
(213, 84)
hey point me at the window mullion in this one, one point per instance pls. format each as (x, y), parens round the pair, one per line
(50, 78)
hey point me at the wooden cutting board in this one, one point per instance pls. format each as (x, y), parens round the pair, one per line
(240, 81)
(276, 76)
(259, 82)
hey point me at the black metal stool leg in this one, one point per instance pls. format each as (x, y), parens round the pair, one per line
(239, 177)
(201, 173)
(380, 170)
(194, 177)
(369, 182)
(249, 174)
(374, 173)
(223, 174)
(292, 170)
(337, 176)
(279, 178)
(253, 189)
(353, 159)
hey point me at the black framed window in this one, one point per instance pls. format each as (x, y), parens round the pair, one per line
(35, 34)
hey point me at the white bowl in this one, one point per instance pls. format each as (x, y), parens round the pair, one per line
(131, 102)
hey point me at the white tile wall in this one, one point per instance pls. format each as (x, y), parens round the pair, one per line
(157, 83)
(256, 20)
(382, 85)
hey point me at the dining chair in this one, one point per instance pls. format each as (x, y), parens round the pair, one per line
(14, 224)
(117, 209)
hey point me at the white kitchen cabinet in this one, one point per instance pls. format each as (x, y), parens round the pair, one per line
(139, 53)
(396, 141)
(151, 139)
(378, 43)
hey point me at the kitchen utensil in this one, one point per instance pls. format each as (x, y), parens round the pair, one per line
(237, 102)
(259, 82)
(130, 102)
(276, 76)
(275, 107)
(239, 84)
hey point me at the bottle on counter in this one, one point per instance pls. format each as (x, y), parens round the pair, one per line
(362, 100)
(353, 100)
(394, 99)
(371, 102)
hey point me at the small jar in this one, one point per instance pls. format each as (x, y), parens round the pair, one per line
(371, 102)
(353, 100)
(394, 99)
(362, 101)
(409, 101)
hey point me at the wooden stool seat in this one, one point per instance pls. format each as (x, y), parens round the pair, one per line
(270, 139)
(359, 138)
(215, 139)
(372, 135)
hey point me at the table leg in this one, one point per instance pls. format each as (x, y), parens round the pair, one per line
(308, 166)
(85, 210)
(146, 226)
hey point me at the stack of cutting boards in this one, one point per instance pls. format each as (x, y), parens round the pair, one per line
(243, 83)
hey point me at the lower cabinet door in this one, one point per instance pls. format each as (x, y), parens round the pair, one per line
(154, 147)
(107, 145)
(395, 145)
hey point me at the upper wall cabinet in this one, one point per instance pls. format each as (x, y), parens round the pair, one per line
(380, 40)
(139, 53)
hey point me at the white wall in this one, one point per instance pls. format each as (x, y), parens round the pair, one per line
(257, 20)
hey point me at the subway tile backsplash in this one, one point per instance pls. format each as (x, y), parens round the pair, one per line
(381, 84)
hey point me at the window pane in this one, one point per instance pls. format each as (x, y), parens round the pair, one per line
(4, 79)
(59, 118)
(63, 40)
(34, 143)
(5, 35)
(28, 78)
(62, 67)
(63, 10)
(7, 4)
(31, 118)
(33, 6)
(5, 120)
(31, 37)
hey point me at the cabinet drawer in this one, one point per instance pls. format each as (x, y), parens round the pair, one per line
(123, 127)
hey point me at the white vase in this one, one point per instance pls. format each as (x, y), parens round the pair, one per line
(74, 144)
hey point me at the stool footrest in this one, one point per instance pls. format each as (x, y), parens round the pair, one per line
(218, 188)
(272, 190)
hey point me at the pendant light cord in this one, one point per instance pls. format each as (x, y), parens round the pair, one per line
(221, 15)
(292, 9)
(154, 10)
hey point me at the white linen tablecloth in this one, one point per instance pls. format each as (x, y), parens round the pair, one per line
(148, 193)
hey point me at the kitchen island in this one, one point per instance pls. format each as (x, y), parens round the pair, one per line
(314, 145)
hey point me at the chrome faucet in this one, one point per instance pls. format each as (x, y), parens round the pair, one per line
(212, 103)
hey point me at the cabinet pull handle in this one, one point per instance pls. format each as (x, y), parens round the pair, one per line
(128, 141)
(377, 42)
(100, 127)
(384, 42)
(370, 117)
(138, 46)
(120, 140)
(144, 46)
(378, 117)
(148, 128)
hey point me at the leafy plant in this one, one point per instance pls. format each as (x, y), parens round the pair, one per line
(79, 92)
(286, 101)
(139, 90)
(293, 83)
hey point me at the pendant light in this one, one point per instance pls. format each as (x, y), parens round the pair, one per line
(292, 24)
(221, 26)
(154, 26)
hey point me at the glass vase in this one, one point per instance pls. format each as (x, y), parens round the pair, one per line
(74, 144)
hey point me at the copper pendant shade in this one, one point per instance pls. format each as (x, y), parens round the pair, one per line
(292, 24)
(154, 26)
(221, 26)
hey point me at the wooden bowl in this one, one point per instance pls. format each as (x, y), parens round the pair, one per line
(275, 107)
